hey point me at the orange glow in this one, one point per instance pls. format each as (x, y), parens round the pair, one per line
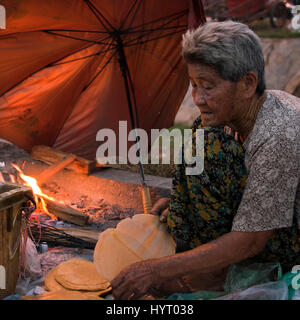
(37, 192)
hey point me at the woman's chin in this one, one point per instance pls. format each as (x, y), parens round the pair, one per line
(208, 120)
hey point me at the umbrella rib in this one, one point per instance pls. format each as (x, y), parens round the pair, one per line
(107, 62)
(136, 12)
(86, 57)
(129, 12)
(160, 28)
(75, 38)
(172, 17)
(99, 15)
(100, 71)
(71, 30)
(131, 43)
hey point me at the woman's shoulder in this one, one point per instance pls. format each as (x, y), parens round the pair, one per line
(286, 99)
(278, 122)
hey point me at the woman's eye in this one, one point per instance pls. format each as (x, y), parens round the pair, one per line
(207, 86)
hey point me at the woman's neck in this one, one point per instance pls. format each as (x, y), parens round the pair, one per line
(248, 114)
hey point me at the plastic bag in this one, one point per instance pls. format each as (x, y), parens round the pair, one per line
(199, 295)
(26, 285)
(296, 296)
(292, 280)
(240, 276)
(32, 265)
(36, 291)
(277, 290)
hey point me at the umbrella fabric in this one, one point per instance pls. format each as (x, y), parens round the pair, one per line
(243, 9)
(61, 80)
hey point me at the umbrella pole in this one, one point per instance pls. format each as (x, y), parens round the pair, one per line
(145, 191)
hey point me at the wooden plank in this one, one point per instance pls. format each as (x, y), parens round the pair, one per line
(66, 213)
(55, 168)
(13, 194)
(52, 156)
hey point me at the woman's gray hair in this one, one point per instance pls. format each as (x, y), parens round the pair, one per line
(229, 47)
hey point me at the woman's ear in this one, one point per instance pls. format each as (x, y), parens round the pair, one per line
(248, 85)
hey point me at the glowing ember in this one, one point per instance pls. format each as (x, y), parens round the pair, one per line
(37, 192)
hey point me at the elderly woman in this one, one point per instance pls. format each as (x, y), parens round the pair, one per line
(245, 205)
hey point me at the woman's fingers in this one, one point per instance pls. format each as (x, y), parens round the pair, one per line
(118, 287)
(163, 217)
(134, 281)
(160, 206)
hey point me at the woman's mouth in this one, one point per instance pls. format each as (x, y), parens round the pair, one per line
(206, 114)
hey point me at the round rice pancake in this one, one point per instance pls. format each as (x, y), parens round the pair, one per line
(79, 274)
(52, 285)
(50, 282)
(134, 239)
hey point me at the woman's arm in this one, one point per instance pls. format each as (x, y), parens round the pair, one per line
(145, 277)
(213, 256)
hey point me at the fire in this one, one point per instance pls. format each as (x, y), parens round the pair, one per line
(37, 192)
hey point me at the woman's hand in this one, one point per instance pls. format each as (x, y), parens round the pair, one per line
(161, 209)
(136, 281)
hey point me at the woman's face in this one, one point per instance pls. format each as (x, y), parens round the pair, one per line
(215, 97)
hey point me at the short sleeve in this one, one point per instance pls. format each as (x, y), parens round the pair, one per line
(269, 198)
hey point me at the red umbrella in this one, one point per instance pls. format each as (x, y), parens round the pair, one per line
(71, 67)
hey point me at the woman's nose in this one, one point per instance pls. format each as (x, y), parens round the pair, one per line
(199, 96)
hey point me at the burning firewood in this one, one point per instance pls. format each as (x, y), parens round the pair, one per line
(52, 207)
(64, 212)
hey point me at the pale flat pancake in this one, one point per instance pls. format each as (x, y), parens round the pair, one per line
(80, 274)
(63, 295)
(50, 282)
(135, 239)
(111, 255)
(52, 285)
(146, 236)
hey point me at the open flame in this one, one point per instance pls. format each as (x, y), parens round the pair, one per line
(39, 196)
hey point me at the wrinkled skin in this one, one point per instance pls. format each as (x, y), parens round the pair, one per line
(209, 92)
(205, 266)
(222, 102)
(139, 280)
(142, 281)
